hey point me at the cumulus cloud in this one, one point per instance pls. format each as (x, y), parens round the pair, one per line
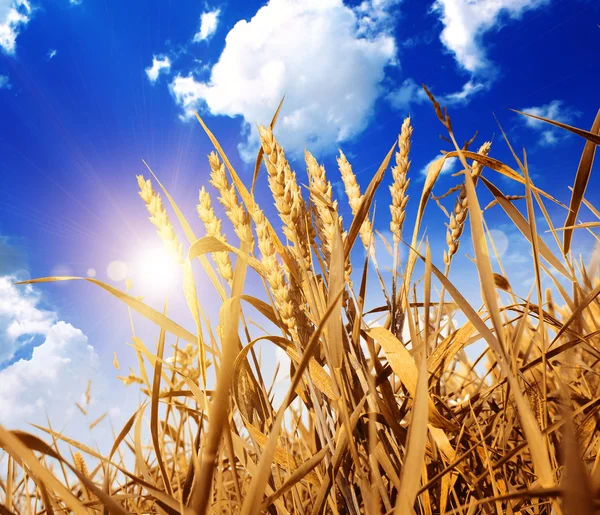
(14, 15)
(311, 51)
(407, 94)
(58, 370)
(20, 316)
(160, 64)
(449, 166)
(469, 89)
(5, 82)
(208, 25)
(466, 22)
(555, 110)
(410, 93)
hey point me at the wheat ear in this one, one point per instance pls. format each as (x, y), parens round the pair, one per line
(81, 466)
(234, 210)
(325, 209)
(274, 271)
(400, 183)
(212, 225)
(461, 210)
(287, 195)
(355, 198)
(159, 217)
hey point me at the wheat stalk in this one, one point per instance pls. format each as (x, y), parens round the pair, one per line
(159, 218)
(212, 225)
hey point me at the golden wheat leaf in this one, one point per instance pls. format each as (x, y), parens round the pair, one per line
(191, 298)
(502, 169)
(229, 320)
(583, 225)
(539, 453)
(22, 451)
(405, 368)
(581, 181)
(415, 453)
(34, 443)
(154, 409)
(585, 302)
(523, 225)
(265, 309)
(281, 456)
(210, 244)
(143, 309)
(590, 136)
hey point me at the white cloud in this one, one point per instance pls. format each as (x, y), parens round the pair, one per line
(312, 52)
(14, 15)
(410, 93)
(5, 82)
(555, 110)
(466, 22)
(58, 370)
(208, 25)
(407, 94)
(469, 89)
(75, 2)
(449, 166)
(160, 64)
(51, 53)
(20, 316)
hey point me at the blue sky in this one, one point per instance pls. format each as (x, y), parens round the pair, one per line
(88, 89)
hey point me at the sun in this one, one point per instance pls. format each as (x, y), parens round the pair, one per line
(155, 270)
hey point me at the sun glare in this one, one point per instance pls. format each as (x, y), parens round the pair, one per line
(155, 270)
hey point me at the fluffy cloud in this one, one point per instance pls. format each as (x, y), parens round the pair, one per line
(160, 64)
(469, 89)
(449, 166)
(208, 25)
(317, 53)
(408, 93)
(555, 110)
(20, 316)
(466, 22)
(59, 368)
(5, 82)
(14, 15)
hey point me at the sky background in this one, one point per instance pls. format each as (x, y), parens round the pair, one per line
(88, 89)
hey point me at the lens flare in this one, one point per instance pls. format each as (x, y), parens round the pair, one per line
(155, 270)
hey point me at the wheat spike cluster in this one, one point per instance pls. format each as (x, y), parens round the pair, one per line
(331, 382)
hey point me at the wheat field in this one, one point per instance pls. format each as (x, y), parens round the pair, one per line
(392, 416)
